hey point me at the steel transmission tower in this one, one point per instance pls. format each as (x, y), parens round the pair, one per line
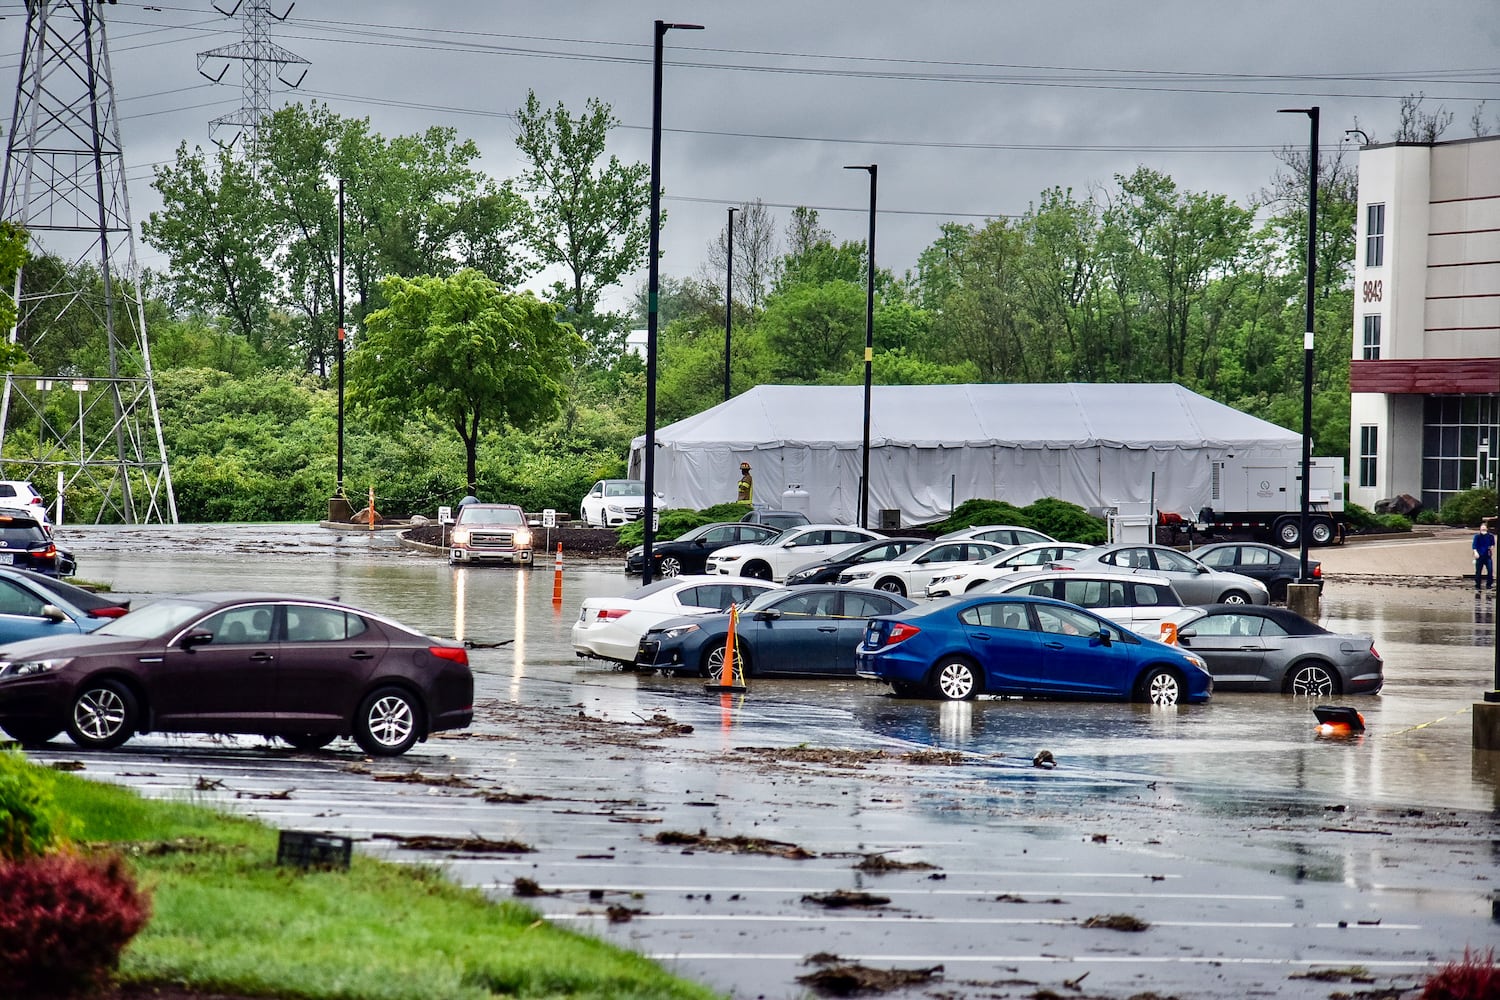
(64, 180)
(261, 59)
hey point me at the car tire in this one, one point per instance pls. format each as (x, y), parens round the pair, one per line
(307, 742)
(388, 723)
(891, 585)
(713, 660)
(103, 715)
(955, 679)
(1311, 680)
(671, 566)
(1320, 531)
(1160, 686)
(30, 734)
(1234, 597)
(757, 571)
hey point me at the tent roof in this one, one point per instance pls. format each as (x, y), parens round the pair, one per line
(1049, 415)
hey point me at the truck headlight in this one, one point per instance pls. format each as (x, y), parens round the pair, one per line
(522, 538)
(460, 536)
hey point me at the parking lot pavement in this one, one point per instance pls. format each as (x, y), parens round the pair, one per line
(725, 851)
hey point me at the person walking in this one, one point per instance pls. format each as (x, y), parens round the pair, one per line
(745, 489)
(1484, 562)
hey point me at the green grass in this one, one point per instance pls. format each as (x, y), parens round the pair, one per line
(226, 918)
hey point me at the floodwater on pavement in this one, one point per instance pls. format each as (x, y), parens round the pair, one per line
(1254, 851)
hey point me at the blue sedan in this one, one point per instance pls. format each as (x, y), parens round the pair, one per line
(35, 608)
(1019, 645)
(805, 631)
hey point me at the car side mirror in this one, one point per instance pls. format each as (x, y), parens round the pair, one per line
(53, 613)
(200, 637)
(701, 542)
(1103, 636)
(770, 615)
(1190, 633)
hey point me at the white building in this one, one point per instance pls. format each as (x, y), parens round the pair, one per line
(1425, 377)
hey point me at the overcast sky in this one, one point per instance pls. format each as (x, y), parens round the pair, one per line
(970, 107)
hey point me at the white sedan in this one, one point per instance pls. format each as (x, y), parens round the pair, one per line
(914, 569)
(962, 579)
(610, 628)
(1005, 534)
(774, 557)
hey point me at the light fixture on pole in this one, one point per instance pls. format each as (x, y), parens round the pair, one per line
(728, 297)
(652, 284)
(1307, 337)
(864, 468)
(1364, 139)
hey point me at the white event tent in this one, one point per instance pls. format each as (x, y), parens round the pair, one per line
(935, 446)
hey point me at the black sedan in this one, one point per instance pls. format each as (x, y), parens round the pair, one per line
(1253, 648)
(810, 631)
(305, 670)
(1271, 566)
(686, 554)
(827, 569)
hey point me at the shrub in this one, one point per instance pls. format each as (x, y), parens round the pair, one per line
(1475, 978)
(1067, 522)
(29, 822)
(1466, 509)
(65, 921)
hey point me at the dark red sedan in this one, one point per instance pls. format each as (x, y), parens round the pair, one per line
(305, 670)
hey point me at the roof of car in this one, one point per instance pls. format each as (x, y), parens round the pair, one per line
(1291, 622)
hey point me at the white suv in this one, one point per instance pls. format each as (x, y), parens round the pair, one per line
(18, 494)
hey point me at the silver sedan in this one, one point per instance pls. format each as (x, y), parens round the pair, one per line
(1273, 649)
(1194, 582)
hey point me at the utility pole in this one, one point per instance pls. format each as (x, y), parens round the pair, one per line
(64, 182)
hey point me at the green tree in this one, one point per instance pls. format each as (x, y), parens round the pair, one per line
(588, 214)
(465, 350)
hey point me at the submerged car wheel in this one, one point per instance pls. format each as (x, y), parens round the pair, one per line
(308, 741)
(30, 733)
(713, 660)
(1234, 597)
(955, 679)
(388, 723)
(103, 716)
(1160, 686)
(671, 566)
(1312, 679)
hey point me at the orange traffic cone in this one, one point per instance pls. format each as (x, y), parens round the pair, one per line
(732, 675)
(1169, 633)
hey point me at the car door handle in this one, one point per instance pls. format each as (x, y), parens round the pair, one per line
(360, 654)
(261, 657)
(1053, 645)
(1249, 649)
(828, 628)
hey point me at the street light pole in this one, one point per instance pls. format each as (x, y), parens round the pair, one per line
(864, 470)
(339, 508)
(652, 286)
(728, 300)
(1307, 337)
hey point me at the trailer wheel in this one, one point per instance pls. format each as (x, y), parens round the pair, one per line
(1321, 531)
(1288, 532)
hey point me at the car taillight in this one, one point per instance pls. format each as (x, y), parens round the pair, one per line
(1376, 653)
(455, 653)
(1317, 571)
(900, 631)
(610, 614)
(108, 612)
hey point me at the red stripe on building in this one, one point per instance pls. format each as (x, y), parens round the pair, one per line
(1440, 376)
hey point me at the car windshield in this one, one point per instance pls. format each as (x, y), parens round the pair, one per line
(490, 515)
(625, 488)
(651, 588)
(785, 535)
(156, 619)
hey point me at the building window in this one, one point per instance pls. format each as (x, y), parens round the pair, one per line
(1372, 338)
(1369, 439)
(1374, 235)
(1454, 428)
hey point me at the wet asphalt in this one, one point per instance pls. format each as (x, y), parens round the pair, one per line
(1252, 855)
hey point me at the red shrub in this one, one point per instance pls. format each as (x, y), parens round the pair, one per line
(1477, 977)
(64, 919)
